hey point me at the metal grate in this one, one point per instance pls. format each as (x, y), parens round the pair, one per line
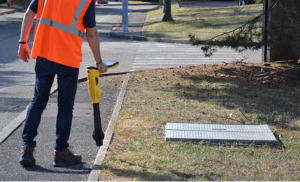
(216, 133)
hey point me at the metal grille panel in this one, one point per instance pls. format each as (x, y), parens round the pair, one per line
(219, 127)
(259, 134)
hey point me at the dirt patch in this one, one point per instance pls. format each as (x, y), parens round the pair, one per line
(272, 74)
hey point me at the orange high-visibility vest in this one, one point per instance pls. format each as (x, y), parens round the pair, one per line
(59, 31)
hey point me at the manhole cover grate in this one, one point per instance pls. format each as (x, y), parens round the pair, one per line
(216, 133)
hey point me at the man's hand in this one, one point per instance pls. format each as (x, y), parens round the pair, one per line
(24, 52)
(102, 68)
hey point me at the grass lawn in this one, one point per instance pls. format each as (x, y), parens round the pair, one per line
(235, 93)
(204, 22)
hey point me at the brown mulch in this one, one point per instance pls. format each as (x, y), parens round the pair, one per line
(273, 73)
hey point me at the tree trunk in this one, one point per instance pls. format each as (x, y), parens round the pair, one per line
(167, 16)
(284, 31)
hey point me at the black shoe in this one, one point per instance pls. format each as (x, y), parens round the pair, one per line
(65, 157)
(27, 158)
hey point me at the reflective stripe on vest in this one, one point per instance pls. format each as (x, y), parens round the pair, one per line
(60, 26)
(37, 21)
(69, 29)
(78, 12)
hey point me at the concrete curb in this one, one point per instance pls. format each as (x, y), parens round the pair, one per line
(14, 125)
(128, 4)
(151, 39)
(165, 40)
(96, 169)
(10, 11)
(155, 8)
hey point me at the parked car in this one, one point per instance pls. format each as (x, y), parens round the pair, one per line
(244, 2)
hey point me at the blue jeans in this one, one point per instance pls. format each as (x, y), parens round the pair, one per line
(67, 85)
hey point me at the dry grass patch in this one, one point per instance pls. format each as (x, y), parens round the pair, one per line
(222, 93)
(204, 22)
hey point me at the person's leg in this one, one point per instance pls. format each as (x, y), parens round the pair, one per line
(43, 83)
(67, 86)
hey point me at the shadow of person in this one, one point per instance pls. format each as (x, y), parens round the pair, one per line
(72, 169)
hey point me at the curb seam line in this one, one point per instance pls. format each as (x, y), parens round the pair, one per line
(10, 11)
(16, 123)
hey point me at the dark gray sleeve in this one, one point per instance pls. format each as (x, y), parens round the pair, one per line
(89, 18)
(33, 6)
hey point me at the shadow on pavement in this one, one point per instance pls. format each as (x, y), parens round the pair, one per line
(80, 169)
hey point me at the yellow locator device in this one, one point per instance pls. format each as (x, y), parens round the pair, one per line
(93, 80)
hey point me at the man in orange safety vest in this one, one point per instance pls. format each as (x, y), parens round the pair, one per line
(60, 27)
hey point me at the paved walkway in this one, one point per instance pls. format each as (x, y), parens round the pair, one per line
(81, 140)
